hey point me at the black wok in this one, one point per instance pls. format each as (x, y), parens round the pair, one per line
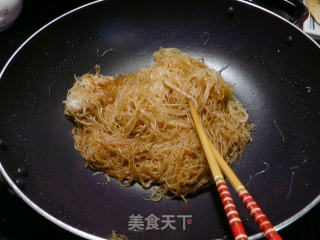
(274, 76)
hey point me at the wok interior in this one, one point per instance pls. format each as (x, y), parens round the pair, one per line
(274, 80)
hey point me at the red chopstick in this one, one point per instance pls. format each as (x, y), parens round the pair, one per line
(259, 217)
(232, 214)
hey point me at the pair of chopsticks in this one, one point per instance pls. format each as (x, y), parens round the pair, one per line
(216, 162)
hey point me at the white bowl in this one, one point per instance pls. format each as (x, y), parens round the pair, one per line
(9, 11)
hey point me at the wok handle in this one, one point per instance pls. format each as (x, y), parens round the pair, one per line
(296, 10)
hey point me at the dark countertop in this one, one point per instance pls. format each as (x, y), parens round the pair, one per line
(17, 220)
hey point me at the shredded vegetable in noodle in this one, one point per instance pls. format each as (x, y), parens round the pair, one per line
(138, 127)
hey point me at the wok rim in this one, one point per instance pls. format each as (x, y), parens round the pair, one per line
(89, 236)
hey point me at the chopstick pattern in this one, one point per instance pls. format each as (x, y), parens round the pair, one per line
(232, 214)
(230, 208)
(216, 162)
(259, 217)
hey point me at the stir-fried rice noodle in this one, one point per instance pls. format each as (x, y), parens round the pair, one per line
(138, 127)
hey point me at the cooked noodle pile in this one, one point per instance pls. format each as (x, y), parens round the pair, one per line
(138, 127)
